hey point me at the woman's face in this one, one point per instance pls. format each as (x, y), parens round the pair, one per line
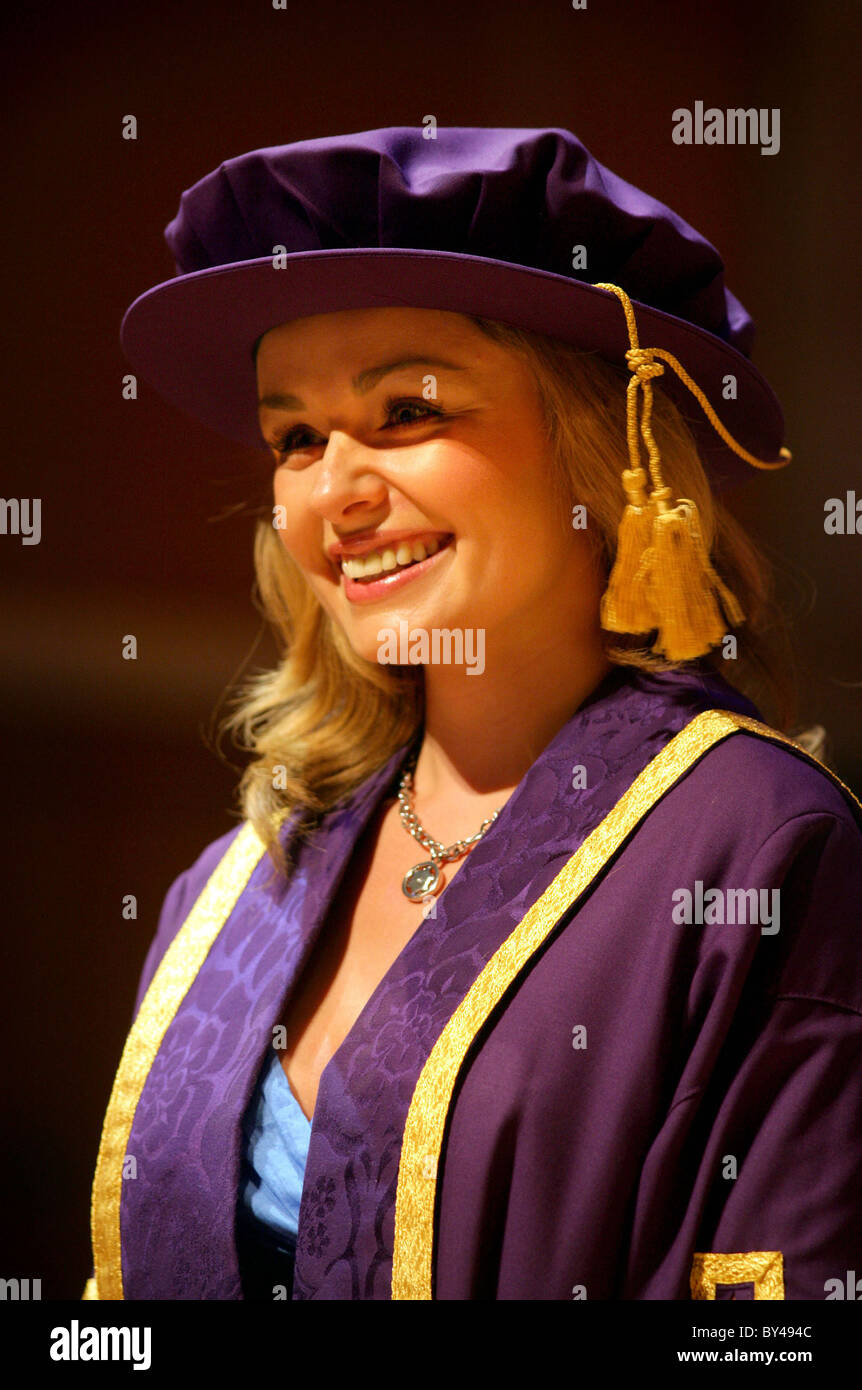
(399, 428)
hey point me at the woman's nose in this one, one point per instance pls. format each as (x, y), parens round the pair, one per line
(347, 472)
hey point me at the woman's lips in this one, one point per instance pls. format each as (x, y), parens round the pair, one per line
(366, 591)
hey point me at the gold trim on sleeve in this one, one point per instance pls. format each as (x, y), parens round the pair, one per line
(412, 1257)
(90, 1290)
(168, 987)
(762, 1268)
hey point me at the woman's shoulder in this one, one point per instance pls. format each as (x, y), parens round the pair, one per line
(178, 903)
(805, 836)
(760, 777)
(756, 823)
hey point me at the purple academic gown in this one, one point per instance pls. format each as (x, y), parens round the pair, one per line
(647, 1089)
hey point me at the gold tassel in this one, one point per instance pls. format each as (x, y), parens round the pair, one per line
(624, 606)
(662, 578)
(683, 587)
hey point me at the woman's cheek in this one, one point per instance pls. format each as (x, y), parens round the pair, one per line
(298, 549)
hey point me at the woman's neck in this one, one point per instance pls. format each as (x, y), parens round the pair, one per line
(482, 733)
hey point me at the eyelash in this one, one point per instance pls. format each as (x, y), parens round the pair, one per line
(287, 438)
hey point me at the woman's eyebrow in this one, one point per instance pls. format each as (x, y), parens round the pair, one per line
(280, 400)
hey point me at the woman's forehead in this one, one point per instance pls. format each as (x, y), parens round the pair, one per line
(354, 327)
(356, 342)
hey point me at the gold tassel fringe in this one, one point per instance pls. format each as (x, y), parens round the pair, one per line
(624, 606)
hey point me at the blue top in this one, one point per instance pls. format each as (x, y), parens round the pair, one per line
(276, 1133)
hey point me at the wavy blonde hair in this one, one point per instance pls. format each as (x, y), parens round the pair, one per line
(325, 718)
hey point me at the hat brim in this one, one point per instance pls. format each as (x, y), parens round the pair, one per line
(192, 337)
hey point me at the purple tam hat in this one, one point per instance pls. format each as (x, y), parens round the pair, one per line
(476, 221)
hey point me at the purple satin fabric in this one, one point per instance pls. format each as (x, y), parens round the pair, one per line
(517, 195)
(598, 1168)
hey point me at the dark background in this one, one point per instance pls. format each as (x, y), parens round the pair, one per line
(110, 787)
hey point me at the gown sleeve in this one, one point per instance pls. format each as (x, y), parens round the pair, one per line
(753, 1187)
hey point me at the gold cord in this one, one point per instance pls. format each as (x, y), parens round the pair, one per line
(662, 578)
(644, 367)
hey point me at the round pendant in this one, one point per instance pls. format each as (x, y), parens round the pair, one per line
(421, 880)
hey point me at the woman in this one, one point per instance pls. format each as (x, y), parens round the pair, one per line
(532, 971)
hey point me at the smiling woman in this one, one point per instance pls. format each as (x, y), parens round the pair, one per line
(529, 429)
(428, 1023)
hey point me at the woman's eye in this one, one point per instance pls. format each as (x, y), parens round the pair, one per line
(292, 441)
(288, 443)
(394, 407)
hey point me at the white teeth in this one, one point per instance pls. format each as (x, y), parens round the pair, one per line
(405, 553)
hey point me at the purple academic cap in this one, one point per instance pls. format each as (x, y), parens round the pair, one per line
(476, 221)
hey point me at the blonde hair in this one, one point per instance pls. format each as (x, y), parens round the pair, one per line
(325, 718)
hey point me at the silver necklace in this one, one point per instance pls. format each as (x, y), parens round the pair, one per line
(426, 877)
